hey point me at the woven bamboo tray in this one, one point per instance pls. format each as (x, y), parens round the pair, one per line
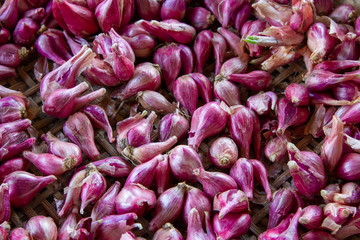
(44, 204)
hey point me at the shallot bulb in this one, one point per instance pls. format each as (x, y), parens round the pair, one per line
(40, 227)
(223, 152)
(208, 120)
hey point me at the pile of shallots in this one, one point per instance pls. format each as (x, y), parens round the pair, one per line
(203, 125)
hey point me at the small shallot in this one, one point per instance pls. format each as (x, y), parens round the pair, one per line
(223, 152)
(135, 198)
(208, 120)
(168, 206)
(42, 228)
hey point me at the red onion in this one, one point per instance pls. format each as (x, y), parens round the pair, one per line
(144, 173)
(50, 164)
(52, 45)
(68, 227)
(148, 151)
(112, 166)
(226, 91)
(277, 36)
(146, 77)
(168, 206)
(154, 101)
(141, 133)
(281, 205)
(14, 108)
(312, 217)
(208, 120)
(350, 228)
(4, 92)
(297, 94)
(214, 182)
(148, 9)
(25, 31)
(20, 233)
(241, 126)
(99, 119)
(195, 229)
(12, 165)
(302, 16)
(323, 6)
(349, 194)
(105, 206)
(11, 55)
(173, 9)
(336, 215)
(197, 199)
(287, 229)
(168, 58)
(275, 149)
(307, 170)
(141, 41)
(252, 28)
(289, 115)
(231, 201)
(167, 231)
(93, 187)
(318, 235)
(202, 49)
(183, 160)
(74, 18)
(243, 173)
(62, 149)
(7, 72)
(109, 14)
(345, 91)
(199, 17)
(274, 13)
(223, 152)
(203, 85)
(219, 46)
(329, 192)
(162, 175)
(169, 30)
(42, 228)
(332, 148)
(123, 127)
(256, 80)
(347, 168)
(79, 130)
(74, 190)
(113, 226)
(135, 198)
(262, 103)
(232, 225)
(187, 59)
(344, 13)
(65, 75)
(186, 92)
(235, 43)
(319, 42)
(61, 102)
(36, 14)
(23, 186)
(347, 50)
(280, 56)
(9, 14)
(242, 14)
(173, 124)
